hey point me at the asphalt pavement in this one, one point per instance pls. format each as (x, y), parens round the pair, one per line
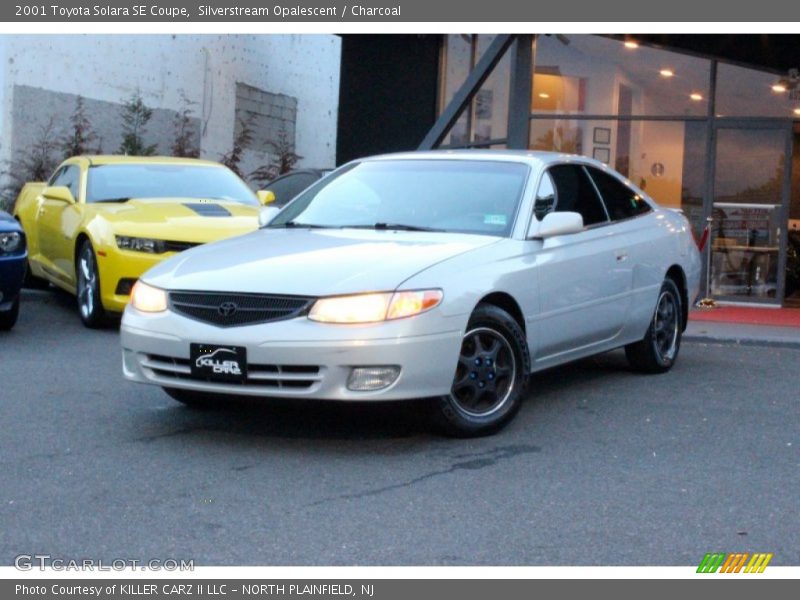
(601, 466)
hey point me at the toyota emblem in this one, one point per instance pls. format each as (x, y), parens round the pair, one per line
(227, 309)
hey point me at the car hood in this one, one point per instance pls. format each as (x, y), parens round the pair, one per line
(316, 262)
(180, 219)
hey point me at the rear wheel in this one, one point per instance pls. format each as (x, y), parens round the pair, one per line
(193, 399)
(490, 377)
(90, 307)
(657, 351)
(8, 318)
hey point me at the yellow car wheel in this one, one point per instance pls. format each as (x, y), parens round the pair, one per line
(90, 306)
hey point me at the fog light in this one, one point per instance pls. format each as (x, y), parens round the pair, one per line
(369, 379)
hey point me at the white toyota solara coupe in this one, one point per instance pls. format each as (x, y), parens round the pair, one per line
(444, 275)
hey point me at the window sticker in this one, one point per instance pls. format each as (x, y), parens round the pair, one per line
(495, 220)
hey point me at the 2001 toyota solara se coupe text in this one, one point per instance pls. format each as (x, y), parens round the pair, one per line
(442, 275)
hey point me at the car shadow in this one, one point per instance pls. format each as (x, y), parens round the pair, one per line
(316, 419)
(66, 306)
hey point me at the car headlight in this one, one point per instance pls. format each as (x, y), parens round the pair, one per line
(138, 244)
(147, 298)
(10, 242)
(371, 308)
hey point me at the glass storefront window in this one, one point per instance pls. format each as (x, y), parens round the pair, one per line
(748, 196)
(793, 237)
(593, 75)
(664, 158)
(743, 92)
(486, 118)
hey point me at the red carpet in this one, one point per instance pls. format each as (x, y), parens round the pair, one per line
(777, 317)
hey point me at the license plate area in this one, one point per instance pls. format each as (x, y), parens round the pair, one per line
(218, 363)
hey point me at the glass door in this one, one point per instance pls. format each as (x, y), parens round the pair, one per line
(752, 164)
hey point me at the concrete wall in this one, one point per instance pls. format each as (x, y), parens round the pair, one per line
(41, 75)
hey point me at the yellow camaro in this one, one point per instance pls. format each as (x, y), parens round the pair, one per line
(102, 221)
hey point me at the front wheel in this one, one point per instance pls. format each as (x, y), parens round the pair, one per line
(490, 376)
(90, 307)
(657, 351)
(8, 318)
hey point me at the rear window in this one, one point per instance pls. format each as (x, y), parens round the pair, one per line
(621, 201)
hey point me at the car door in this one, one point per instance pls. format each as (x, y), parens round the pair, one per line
(634, 226)
(583, 290)
(56, 224)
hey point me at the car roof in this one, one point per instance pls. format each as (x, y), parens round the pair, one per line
(117, 159)
(530, 157)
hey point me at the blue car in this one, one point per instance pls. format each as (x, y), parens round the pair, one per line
(13, 257)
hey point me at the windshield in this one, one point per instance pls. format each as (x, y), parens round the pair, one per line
(468, 196)
(108, 183)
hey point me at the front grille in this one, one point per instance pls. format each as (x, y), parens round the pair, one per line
(295, 377)
(124, 286)
(231, 310)
(173, 246)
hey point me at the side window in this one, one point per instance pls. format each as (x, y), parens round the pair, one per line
(290, 186)
(69, 176)
(621, 201)
(545, 197)
(575, 192)
(54, 177)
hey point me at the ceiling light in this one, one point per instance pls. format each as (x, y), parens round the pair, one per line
(695, 96)
(779, 88)
(667, 72)
(544, 95)
(631, 44)
(797, 111)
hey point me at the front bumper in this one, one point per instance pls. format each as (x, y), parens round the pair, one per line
(12, 274)
(115, 265)
(297, 358)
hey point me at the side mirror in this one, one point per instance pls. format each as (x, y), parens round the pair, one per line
(265, 197)
(266, 214)
(557, 223)
(60, 193)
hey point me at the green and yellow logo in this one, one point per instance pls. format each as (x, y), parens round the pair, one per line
(736, 562)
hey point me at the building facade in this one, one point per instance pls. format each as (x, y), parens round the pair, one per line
(713, 138)
(284, 87)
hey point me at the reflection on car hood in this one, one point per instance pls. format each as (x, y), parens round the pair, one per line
(311, 262)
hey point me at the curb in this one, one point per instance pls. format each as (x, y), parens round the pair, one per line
(772, 343)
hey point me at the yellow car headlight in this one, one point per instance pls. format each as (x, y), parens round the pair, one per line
(147, 298)
(371, 308)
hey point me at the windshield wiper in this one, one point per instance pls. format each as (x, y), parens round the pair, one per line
(113, 200)
(296, 225)
(390, 226)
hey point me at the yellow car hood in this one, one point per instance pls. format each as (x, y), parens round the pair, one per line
(179, 219)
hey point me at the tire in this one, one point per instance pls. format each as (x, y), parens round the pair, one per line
(658, 350)
(491, 376)
(90, 306)
(192, 399)
(8, 318)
